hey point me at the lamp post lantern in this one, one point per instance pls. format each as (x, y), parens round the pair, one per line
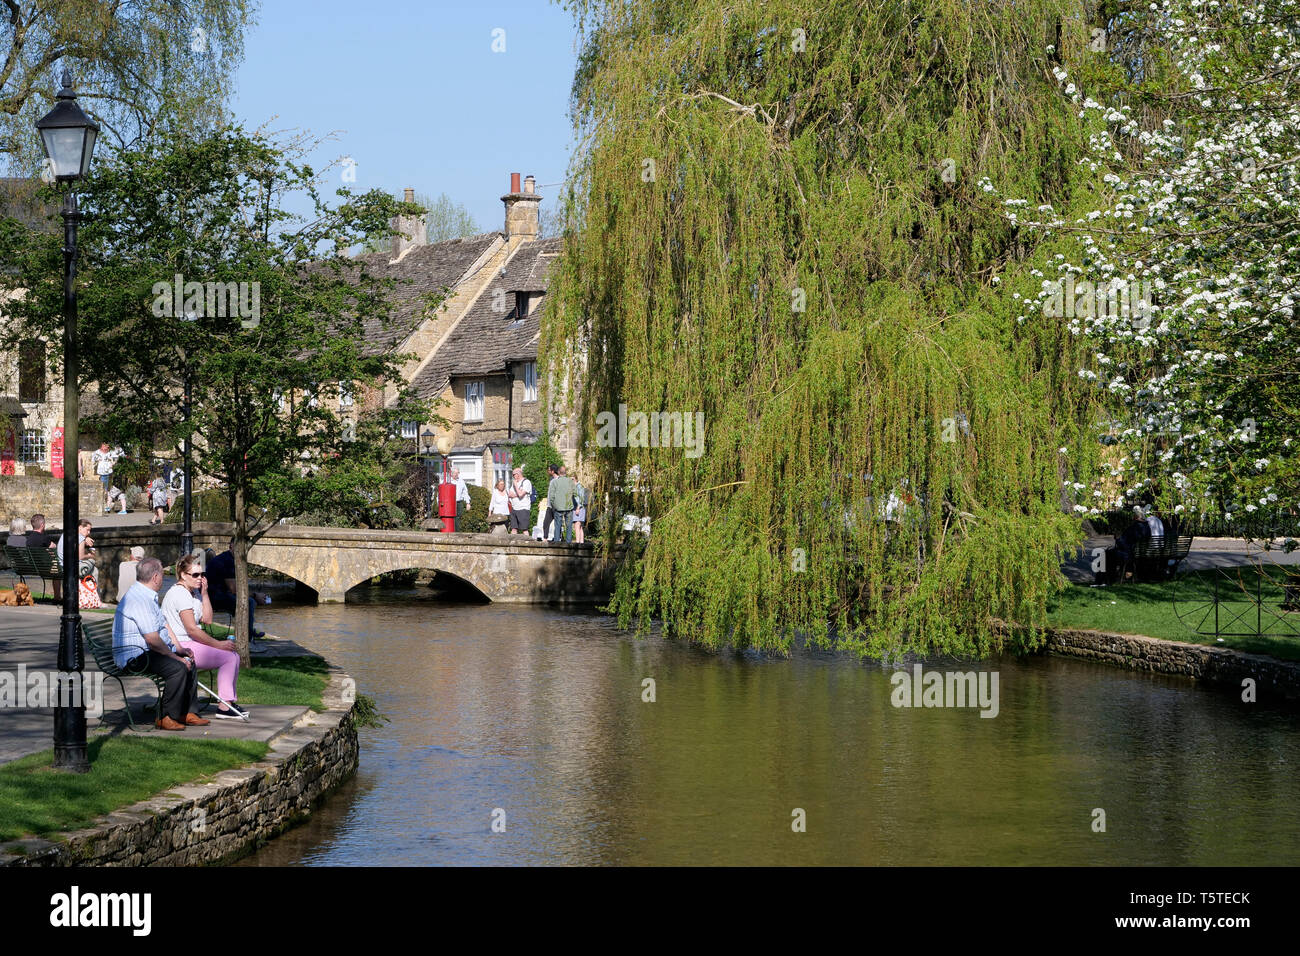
(427, 438)
(68, 138)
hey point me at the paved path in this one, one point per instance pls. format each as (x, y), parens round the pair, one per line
(1205, 553)
(29, 636)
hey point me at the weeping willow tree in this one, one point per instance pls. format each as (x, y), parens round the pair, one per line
(776, 221)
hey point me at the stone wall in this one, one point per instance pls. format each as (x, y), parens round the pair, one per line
(22, 496)
(228, 817)
(1276, 681)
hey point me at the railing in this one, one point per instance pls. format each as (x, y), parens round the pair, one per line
(1252, 600)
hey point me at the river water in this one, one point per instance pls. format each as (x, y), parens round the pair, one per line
(535, 718)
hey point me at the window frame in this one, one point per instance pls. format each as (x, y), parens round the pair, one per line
(477, 401)
(32, 355)
(24, 437)
(531, 392)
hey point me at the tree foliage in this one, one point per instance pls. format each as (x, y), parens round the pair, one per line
(142, 68)
(265, 415)
(1201, 155)
(779, 227)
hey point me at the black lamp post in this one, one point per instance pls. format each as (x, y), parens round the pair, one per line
(187, 526)
(427, 437)
(68, 137)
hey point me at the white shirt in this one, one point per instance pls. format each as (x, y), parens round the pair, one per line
(462, 493)
(59, 549)
(177, 599)
(521, 496)
(500, 504)
(103, 461)
(1156, 525)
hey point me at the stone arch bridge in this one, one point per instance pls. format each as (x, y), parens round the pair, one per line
(330, 561)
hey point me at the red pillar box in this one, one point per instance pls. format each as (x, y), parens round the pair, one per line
(7, 453)
(447, 505)
(56, 452)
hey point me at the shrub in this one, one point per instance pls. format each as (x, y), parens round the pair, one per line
(475, 520)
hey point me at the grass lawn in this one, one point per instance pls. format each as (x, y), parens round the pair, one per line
(1154, 610)
(123, 770)
(284, 680)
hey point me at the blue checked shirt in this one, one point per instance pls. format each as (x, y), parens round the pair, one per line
(137, 614)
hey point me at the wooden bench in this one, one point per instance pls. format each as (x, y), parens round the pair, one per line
(99, 639)
(38, 562)
(1158, 558)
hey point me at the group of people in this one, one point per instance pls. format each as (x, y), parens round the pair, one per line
(1146, 525)
(168, 639)
(562, 518)
(161, 488)
(25, 534)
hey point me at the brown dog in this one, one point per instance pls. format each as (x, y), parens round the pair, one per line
(20, 596)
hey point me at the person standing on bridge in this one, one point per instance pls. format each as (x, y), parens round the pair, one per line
(462, 495)
(562, 495)
(521, 502)
(551, 472)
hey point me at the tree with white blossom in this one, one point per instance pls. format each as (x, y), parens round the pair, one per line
(1183, 279)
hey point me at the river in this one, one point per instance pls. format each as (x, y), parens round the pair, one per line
(535, 718)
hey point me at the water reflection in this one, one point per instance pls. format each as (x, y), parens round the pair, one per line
(540, 713)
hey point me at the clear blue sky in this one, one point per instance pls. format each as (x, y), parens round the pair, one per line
(415, 93)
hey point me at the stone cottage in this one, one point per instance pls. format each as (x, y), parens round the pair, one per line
(478, 351)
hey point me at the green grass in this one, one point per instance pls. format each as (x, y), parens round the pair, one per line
(284, 680)
(38, 800)
(1154, 610)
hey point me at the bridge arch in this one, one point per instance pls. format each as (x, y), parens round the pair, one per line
(331, 585)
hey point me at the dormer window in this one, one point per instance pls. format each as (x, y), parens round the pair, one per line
(526, 304)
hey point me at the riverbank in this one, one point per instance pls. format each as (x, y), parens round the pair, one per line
(1276, 682)
(269, 774)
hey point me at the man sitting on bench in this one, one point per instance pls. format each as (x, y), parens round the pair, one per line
(141, 644)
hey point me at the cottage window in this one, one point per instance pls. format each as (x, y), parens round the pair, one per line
(474, 401)
(31, 371)
(31, 447)
(530, 381)
(410, 429)
(346, 399)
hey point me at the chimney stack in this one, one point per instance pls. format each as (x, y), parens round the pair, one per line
(412, 226)
(521, 208)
